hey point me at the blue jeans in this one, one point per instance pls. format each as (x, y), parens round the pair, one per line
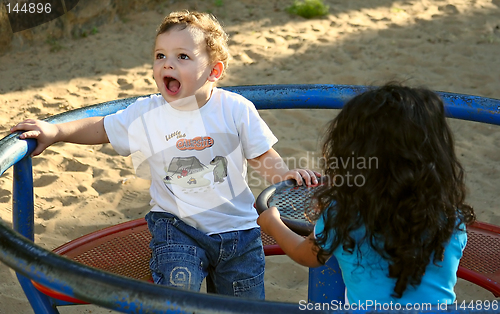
(233, 262)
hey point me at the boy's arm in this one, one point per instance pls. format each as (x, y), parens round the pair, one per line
(301, 250)
(271, 166)
(84, 131)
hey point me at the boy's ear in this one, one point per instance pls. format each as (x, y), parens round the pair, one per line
(216, 72)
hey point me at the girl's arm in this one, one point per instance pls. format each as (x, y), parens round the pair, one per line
(84, 131)
(301, 250)
(271, 166)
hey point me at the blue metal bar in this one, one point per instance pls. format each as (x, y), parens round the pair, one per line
(457, 106)
(471, 108)
(326, 283)
(23, 222)
(40, 303)
(116, 292)
(314, 96)
(23, 199)
(298, 96)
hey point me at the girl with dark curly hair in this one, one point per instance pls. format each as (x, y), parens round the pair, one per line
(397, 227)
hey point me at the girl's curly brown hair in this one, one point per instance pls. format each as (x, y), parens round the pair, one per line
(215, 36)
(413, 201)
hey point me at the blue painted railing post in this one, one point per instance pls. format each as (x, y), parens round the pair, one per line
(23, 222)
(326, 283)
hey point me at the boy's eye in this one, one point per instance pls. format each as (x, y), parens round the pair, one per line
(160, 56)
(183, 56)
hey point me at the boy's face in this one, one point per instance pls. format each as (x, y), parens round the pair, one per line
(182, 67)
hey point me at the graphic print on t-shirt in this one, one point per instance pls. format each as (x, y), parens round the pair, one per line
(190, 173)
(220, 169)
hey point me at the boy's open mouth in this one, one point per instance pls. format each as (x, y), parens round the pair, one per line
(172, 84)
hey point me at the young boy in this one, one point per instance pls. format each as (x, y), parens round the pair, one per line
(197, 140)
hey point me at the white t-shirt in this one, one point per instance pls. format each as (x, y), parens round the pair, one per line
(197, 159)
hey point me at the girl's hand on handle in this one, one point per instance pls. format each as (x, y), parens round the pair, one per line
(268, 218)
(44, 132)
(302, 250)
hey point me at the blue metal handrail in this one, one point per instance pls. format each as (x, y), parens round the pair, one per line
(132, 296)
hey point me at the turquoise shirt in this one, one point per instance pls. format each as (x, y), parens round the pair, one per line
(366, 278)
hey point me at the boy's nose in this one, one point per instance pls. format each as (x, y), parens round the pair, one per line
(168, 64)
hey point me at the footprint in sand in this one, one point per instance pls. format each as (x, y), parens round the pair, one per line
(44, 180)
(56, 104)
(135, 197)
(5, 196)
(243, 57)
(449, 9)
(46, 214)
(134, 204)
(96, 172)
(109, 213)
(68, 200)
(82, 189)
(126, 173)
(129, 197)
(103, 186)
(34, 110)
(124, 84)
(47, 164)
(73, 165)
(108, 150)
(85, 88)
(254, 55)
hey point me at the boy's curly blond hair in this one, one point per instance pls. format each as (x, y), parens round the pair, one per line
(215, 36)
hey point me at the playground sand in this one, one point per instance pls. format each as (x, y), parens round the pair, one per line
(447, 45)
